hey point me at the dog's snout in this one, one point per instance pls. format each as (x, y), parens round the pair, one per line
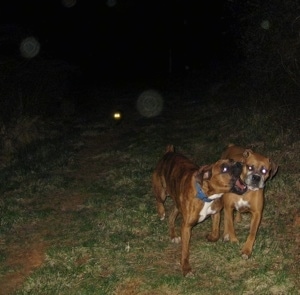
(239, 165)
(256, 178)
(237, 168)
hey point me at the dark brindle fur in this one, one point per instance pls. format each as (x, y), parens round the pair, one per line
(180, 178)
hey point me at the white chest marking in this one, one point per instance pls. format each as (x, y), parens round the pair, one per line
(241, 204)
(206, 210)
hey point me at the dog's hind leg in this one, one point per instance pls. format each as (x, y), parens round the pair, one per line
(186, 230)
(173, 215)
(160, 199)
(160, 195)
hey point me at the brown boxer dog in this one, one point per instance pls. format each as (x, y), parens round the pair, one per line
(256, 170)
(196, 193)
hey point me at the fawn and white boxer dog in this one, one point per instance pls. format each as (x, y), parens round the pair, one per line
(256, 170)
(196, 192)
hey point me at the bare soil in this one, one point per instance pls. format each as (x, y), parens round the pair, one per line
(26, 251)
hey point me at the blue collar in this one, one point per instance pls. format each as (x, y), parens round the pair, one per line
(201, 195)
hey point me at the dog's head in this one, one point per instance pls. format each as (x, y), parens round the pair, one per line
(222, 177)
(257, 169)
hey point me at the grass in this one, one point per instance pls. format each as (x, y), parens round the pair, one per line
(78, 215)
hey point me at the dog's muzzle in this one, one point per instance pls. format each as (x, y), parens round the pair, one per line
(255, 182)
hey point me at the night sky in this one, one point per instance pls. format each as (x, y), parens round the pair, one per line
(124, 36)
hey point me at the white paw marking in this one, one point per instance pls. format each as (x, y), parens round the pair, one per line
(176, 240)
(245, 256)
(163, 217)
(226, 238)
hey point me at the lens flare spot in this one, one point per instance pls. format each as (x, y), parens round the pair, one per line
(30, 47)
(150, 103)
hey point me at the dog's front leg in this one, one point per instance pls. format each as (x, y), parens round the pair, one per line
(215, 219)
(248, 246)
(229, 232)
(238, 217)
(215, 231)
(185, 250)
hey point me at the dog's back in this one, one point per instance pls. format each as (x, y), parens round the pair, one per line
(172, 167)
(234, 152)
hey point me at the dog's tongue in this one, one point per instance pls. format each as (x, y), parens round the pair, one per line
(240, 184)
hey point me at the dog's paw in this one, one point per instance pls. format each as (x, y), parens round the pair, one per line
(190, 275)
(162, 217)
(246, 253)
(245, 256)
(212, 238)
(227, 238)
(187, 271)
(176, 240)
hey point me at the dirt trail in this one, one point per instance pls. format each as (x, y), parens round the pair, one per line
(26, 250)
(23, 260)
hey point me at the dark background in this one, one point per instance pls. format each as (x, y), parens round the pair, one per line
(184, 46)
(131, 37)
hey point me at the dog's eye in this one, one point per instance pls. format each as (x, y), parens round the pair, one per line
(225, 169)
(250, 168)
(264, 171)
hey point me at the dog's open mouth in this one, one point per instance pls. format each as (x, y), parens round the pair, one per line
(239, 187)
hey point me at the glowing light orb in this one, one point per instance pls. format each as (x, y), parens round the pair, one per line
(117, 116)
(150, 103)
(265, 24)
(30, 47)
(68, 3)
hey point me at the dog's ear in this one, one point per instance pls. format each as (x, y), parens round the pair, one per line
(170, 148)
(274, 168)
(205, 172)
(247, 153)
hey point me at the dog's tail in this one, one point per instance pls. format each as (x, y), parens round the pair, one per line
(170, 148)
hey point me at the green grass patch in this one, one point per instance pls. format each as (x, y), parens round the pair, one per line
(94, 214)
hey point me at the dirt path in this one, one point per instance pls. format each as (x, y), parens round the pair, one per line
(25, 252)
